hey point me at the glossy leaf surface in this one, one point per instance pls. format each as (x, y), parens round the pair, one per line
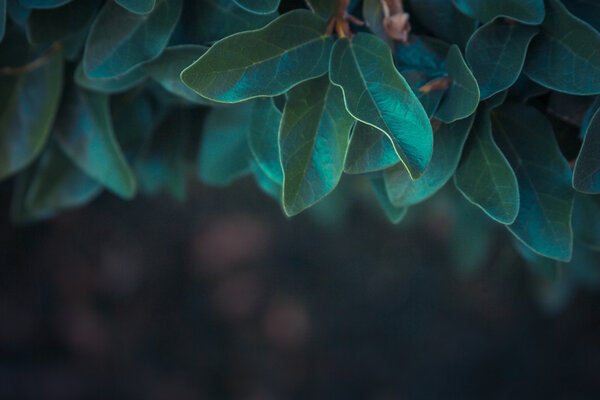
(462, 97)
(496, 54)
(484, 175)
(586, 175)
(313, 138)
(263, 138)
(84, 131)
(265, 62)
(448, 144)
(544, 178)
(564, 56)
(525, 11)
(120, 40)
(369, 150)
(359, 67)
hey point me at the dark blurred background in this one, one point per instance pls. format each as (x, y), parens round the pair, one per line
(223, 297)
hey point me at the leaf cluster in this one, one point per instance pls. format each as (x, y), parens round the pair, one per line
(501, 97)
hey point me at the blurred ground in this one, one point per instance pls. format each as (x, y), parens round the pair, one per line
(225, 298)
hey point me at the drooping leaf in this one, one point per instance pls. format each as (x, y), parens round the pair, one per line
(120, 40)
(49, 25)
(564, 56)
(199, 18)
(266, 62)
(448, 144)
(587, 10)
(496, 54)
(43, 3)
(29, 99)
(84, 131)
(116, 84)
(138, 6)
(263, 138)
(258, 6)
(544, 178)
(313, 139)
(369, 150)
(586, 220)
(462, 97)
(484, 175)
(525, 11)
(162, 164)
(443, 19)
(376, 94)
(395, 214)
(586, 175)
(224, 154)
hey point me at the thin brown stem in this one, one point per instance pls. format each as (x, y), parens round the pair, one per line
(32, 64)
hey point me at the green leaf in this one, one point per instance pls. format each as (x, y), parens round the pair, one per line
(313, 139)
(587, 10)
(425, 54)
(137, 6)
(324, 8)
(2, 18)
(586, 220)
(497, 100)
(448, 144)
(546, 198)
(443, 19)
(43, 3)
(430, 99)
(462, 97)
(224, 154)
(84, 131)
(28, 104)
(369, 150)
(205, 21)
(258, 6)
(395, 214)
(120, 40)
(373, 16)
(263, 138)
(525, 11)
(588, 116)
(376, 94)
(484, 175)
(266, 62)
(168, 66)
(49, 25)
(115, 84)
(496, 54)
(586, 175)
(161, 163)
(564, 56)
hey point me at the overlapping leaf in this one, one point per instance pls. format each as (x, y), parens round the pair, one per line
(394, 213)
(525, 11)
(586, 175)
(137, 6)
(263, 138)
(369, 150)
(258, 6)
(443, 19)
(115, 84)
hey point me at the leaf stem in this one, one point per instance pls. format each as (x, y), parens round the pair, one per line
(32, 64)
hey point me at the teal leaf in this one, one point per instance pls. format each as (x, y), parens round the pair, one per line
(313, 139)
(586, 220)
(496, 100)
(224, 154)
(266, 62)
(137, 6)
(120, 40)
(448, 144)
(369, 150)
(84, 131)
(133, 133)
(462, 97)
(49, 25)
(430, 99)
(376, 94)
(525, 11)
(587, 10)
(496, 54)
(17, 13)
(43, 3)
(28, 104)
(263, 138)
(395, 214)
(424, 54)
(166, 70)
(199, 20)
(373, 16)
(586, 175)
(564, 56)
(2, 18)
(443, 19)
(589, 115)
(266, 184)
(116, 84)
(484, 175)
(544, 178)
(161, 164)
(258, 6)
